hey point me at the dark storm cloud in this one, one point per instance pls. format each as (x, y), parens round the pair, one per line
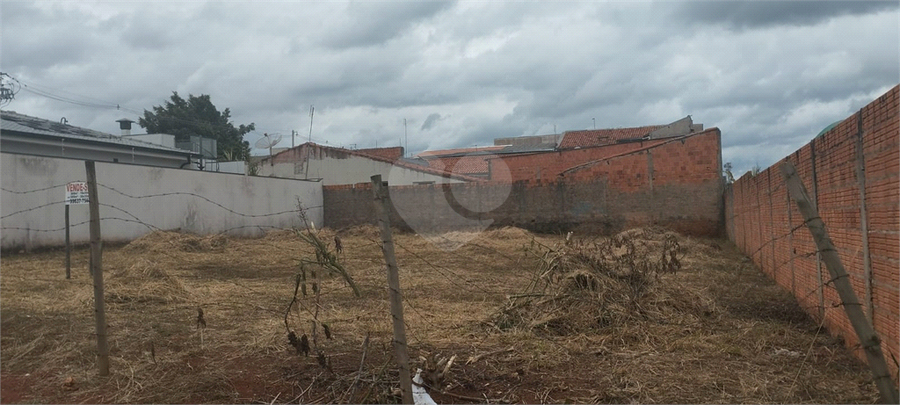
(750, 14)
(373, 23)
(430, 121)
(770, 75)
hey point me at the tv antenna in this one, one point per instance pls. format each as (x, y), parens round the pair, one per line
(268, 141)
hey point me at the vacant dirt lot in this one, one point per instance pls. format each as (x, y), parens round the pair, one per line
(528, 317)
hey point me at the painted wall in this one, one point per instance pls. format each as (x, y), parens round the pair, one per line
(862, 153)
(32, 208)
(97, 151)
(338, 167)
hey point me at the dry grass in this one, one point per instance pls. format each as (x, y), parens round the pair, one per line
(714, 331)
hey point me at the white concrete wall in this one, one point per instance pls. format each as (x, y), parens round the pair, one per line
(35, 218)
(156, 139)
(237, 167)
(351, 170)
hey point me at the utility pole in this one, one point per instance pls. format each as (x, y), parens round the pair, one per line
(405, 135)
(312, 110)
(594, 120)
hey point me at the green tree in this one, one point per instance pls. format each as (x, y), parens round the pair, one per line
(197, 116)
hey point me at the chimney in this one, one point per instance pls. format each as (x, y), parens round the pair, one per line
(125, 126)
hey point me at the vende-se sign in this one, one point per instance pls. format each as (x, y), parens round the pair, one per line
(77, 193)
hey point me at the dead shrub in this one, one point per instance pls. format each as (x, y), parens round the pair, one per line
(587, 286)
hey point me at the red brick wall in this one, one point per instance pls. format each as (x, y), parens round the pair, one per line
(548, 165)
(392, 153)
(769, 228)
(684, 194)
(680, 177)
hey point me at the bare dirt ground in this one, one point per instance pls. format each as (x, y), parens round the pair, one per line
(529, 319)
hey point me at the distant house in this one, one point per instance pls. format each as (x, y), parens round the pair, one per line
(23, 134)
(542, 157)
(610, 136)
(348, 166)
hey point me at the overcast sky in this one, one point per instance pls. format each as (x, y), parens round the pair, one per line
(770, 75)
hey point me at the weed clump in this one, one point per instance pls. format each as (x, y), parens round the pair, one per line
(581, 286)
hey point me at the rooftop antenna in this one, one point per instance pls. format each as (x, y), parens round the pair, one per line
(406, 135)
(267, 142)
(595, 122)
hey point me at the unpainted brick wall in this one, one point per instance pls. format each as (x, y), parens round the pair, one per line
(683, 194)
(767, 226)
(547, 165)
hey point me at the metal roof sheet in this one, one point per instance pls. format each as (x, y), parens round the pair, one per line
(13, 121)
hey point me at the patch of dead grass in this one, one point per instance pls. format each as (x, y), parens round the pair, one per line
(742, 350)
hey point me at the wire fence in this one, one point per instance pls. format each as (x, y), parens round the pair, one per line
(247, 293)
(132, 208)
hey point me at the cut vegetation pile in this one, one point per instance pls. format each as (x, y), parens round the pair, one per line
(586, 286)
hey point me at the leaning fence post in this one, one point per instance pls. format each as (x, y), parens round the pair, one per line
(97, 269)
(382, 207)
(869, 340)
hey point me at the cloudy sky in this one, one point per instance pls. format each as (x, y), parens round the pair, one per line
(770, 75)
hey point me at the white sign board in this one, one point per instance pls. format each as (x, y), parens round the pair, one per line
(76, 193)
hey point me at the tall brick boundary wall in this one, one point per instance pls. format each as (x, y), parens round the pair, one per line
(764, 224)
(676, 184)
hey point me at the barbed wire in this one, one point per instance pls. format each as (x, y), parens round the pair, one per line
(38, 189)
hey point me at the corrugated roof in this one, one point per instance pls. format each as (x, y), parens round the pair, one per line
(599, 137)
(13, 121)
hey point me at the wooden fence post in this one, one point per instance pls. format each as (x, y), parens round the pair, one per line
(68, 246)
(868, 339)
(383, 208)
(97, 270)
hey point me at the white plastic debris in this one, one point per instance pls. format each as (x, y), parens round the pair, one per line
(786, 352)
(420, 396)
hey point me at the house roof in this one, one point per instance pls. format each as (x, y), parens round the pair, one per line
(13, 121)
(399, 162)
(459, 151)
(598, 137)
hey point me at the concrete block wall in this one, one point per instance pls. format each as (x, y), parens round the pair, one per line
(684, 194)
(767, 226)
